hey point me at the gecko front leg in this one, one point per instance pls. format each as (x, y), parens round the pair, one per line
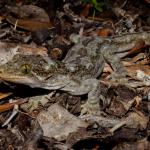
(95, 97)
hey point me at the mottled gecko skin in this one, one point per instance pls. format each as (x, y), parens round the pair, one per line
(77, 73)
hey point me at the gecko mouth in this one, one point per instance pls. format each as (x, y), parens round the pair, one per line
(18, 79)
(30, 81)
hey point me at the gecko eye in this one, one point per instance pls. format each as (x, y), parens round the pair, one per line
(25, 69)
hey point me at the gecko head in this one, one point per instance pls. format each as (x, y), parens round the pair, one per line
(26, 69)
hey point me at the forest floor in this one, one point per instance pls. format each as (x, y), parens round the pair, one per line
(44, 119)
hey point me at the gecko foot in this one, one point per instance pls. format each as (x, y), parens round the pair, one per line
(90, 108)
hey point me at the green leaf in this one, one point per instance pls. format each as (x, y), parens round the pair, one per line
(97, 5)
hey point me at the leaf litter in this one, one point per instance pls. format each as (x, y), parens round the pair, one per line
(34, 118)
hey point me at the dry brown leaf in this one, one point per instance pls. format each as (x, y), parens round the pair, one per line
(56, 53)
(133, 120)
(58, 123)
(145, 61)
(29, 17)
(137, 120)
(86, 9)
(148, 1)
(2, 18)
(143, 144)
(31, 12)
(134, 68)
(105, 32)
(4, 95)
(127, 63)
(137, 48)
(141, 59)
(30, 50)
(19, 2)
(29, 24)
(9, 106)
(138, 57)
(107, 69)
(8, 50)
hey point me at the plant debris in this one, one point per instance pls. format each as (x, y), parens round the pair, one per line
(75, 74)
